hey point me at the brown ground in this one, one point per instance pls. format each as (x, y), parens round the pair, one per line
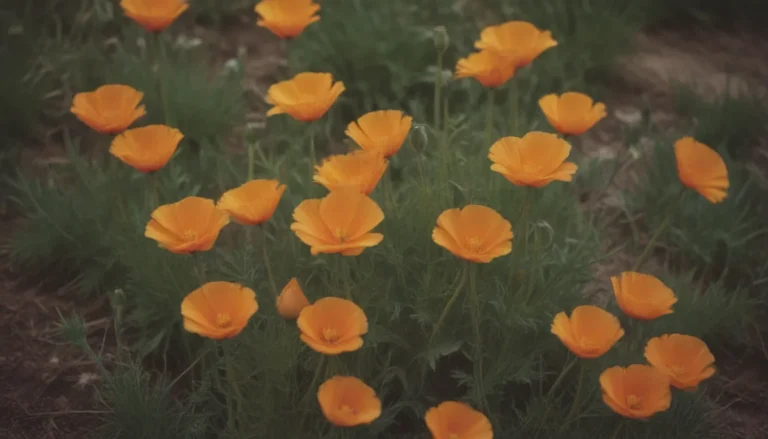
(48, 389)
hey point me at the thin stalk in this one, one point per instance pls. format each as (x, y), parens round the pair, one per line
(345, 275)
(162, 61)
(233, 389)
(312, 158)
(514, 108)
(265, 257)
(489, 118)
(567, 368)
(579, 388)
(251, 159)
(449, 304)
(618, 429)
(475, 316)
(181, 375)
(154, 198)
(534, 266)
(312, 385)
(662, 226)
(438, 108)
(199, 268)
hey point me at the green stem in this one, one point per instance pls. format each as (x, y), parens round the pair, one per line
(514, 109)
(449, 304)
(475, 316)
(162, 61)
(312, 385)
(579, 388)
(567, 368)
(345, 276)
(181, 375)
(489, 119)
(662, 226)
(251, 159)
(312, 157)
(265, 257)
(534, 265)
(199, 268)
(618, 429)
(154, 199)
(231, 380)
(438, 90)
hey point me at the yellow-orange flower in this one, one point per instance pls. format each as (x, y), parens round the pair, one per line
(637, 392)
(306, 97)
(347, 401)
(218, 310)
(685, 359)
(384, 131)
(535, 160)
(589, 332)
(109, 109)
(487, 67)
(572, 113)
(333, 325)
(154, 15)
(291, 300)
(359, 169)
(252, 203)
(702, 169)
(642, 296)
(339, 223)
(475, 233)
(519, 42)
(147, 148)
(191, 225)
(456, 420)
(287, 18)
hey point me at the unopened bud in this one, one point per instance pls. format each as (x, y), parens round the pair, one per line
(442, 41)
(419, 138)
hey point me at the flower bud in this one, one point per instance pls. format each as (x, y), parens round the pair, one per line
(442, 41)
(291, 300)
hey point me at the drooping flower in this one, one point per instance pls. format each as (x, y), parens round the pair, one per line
(590, 331)
(190, 225)
(636, 392)
(254, 202)
(332, 325)
(291, 300)
(218, 310)
(456, 420)
(535, 160)
(154, 15)
(383, 130)
(475, 233)
(147, 148)
(488, 67)
(306, 97)
(109, 109)
(572, 113)
(359, 169)
(287, 18)
(519, 42)
(702, 169)
(339, 223)
(642, 296)
(685, 359)
(347, 401)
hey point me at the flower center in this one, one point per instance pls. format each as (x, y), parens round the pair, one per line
(347, 409)
(190, 235)
(453, 436)
(223, 319)
(331, 335)
(587, 343)
(676, 369)
(633, 402)
(341, 234)
(475, 244)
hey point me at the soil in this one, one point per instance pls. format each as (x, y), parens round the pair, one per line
(49, 389)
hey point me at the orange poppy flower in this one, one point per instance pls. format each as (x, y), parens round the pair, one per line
(685, 359)
(589, 332)
(191, 225)
(475, 233)
(456, 420)
(572, 113)
(347, 401)
(154, 15)
(306, 97)
(383, 130)
(147, 148)
(535, 160)
(702, 169)
(333, 325)
(487, 67)
(637, 392)
(339, 223)
(218, 310)
(287, 18)
(109, 109)
(291, 300)
(518, 41)
(359, 169)
(254, 202)
(642, 296)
